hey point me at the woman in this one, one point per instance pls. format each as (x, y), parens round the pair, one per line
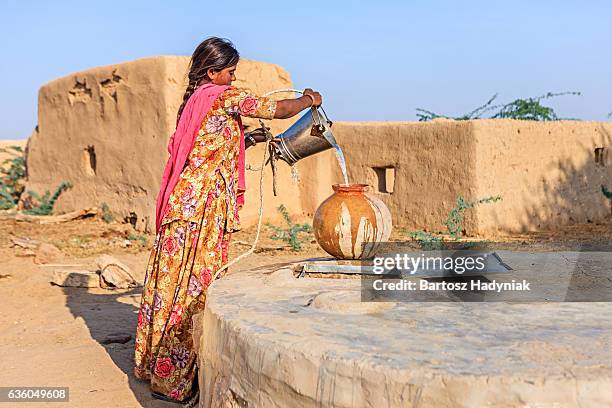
(197, 210)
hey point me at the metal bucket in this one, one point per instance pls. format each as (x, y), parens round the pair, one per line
(311, 134)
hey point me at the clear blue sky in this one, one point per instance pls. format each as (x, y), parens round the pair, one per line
(373, 61)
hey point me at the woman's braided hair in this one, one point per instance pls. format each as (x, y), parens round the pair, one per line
(213, 53)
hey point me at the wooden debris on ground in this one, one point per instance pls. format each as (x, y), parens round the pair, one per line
(108, 273)
(27, 252)
(261, 248)
(41, 251)
(75, 278)
(27, 243)
(53, 219)
(46, 253)
(114, 274)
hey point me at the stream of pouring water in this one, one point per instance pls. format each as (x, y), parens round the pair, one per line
(341, 162)
(339, 155)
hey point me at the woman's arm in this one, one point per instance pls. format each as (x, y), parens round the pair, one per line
(257, 135)
(287, 108)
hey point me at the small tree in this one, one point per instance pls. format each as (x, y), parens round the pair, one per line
(523, 109)
(47, 201)
(12, 174)
(291, 233)
(454, 224)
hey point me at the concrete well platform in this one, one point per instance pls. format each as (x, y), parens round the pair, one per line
(268, 339)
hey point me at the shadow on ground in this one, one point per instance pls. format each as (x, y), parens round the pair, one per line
(113, 315)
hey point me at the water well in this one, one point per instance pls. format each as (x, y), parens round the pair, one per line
(269, 338)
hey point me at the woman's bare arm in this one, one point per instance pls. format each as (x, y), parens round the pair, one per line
(287, 108)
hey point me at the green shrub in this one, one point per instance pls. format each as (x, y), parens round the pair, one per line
(454, 224)
(523, 109)
(107, 216)
(12, 175)
(12, 185)
(142, 238)
(290, 234)
(454, 221)
(47, 201)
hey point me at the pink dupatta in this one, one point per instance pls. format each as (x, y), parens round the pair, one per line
(181, 144)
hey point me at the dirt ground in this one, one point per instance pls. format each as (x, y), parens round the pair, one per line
(61, 336)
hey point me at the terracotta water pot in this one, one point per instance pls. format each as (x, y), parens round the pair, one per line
(350, 217)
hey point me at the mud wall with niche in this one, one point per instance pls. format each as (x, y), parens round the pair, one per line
(106, 131)
(547, 173)
(417, 169)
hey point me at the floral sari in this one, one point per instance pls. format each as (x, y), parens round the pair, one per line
(191, 244)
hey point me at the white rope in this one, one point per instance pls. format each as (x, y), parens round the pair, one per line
(283, 90)
(250, 251)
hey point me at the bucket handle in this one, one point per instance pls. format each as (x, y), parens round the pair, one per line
(329, 122)
(320, 121)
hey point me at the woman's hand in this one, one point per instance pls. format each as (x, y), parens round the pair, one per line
(316, 97)
(259, 135)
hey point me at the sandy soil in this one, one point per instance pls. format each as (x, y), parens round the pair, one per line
(55, 336)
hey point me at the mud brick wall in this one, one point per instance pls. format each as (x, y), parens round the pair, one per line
(547, 173)
(106, 131)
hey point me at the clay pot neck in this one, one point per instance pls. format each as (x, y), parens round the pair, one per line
(350, 188)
